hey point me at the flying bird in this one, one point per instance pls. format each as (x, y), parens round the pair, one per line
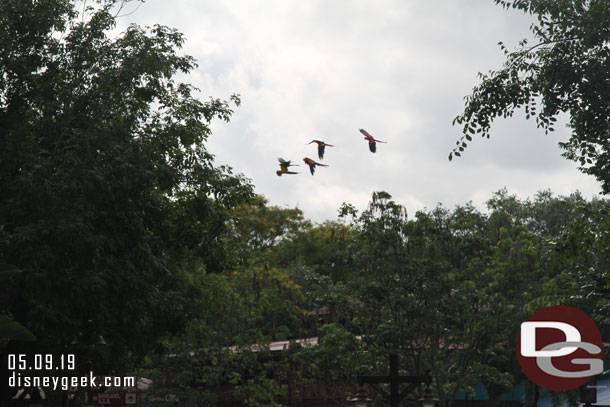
(372, 141)
(312, 164)
(284, 167)
(321, 146)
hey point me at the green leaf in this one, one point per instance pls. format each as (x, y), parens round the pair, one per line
(10, 329)
(7, 271)
(567, 34)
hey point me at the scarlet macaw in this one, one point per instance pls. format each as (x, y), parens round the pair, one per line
(284, 167)
(312, 164)
(321, 146)
(372, 145)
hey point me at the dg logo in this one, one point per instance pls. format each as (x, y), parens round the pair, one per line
(560, 348)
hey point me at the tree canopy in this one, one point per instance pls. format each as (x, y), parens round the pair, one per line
(109, 195)
(445, 289)
(566, 70)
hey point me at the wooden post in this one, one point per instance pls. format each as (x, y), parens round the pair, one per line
(394, 379)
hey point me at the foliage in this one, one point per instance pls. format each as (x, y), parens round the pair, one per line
(428, 286)
(110, 196)
(9, 328)
(256, 230)
(335, 362)
(446, 290)
(238, 314)
(566, 71)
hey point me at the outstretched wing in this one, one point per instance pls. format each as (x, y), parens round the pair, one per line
(321, 150)
(286, 163)
(366, 134)
(312, 168)
(372, 141)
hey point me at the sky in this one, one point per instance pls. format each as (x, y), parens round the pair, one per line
(323, 69)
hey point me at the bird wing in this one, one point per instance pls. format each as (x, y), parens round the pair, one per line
(372, 140)
(321, 151)
(366, 134)
(286, 163)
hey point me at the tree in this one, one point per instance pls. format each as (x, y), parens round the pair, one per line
(580, 256)
(257, 229)
(419, 292)
(566, 71)
(9, 328)
(223, 349)
(448, 289)
(109, 195)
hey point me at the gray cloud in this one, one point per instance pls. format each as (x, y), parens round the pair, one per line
(320, 69)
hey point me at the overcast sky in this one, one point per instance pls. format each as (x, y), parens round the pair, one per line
(322, 69)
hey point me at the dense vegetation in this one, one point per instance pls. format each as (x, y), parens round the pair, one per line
(445, 289)
(123, 242)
